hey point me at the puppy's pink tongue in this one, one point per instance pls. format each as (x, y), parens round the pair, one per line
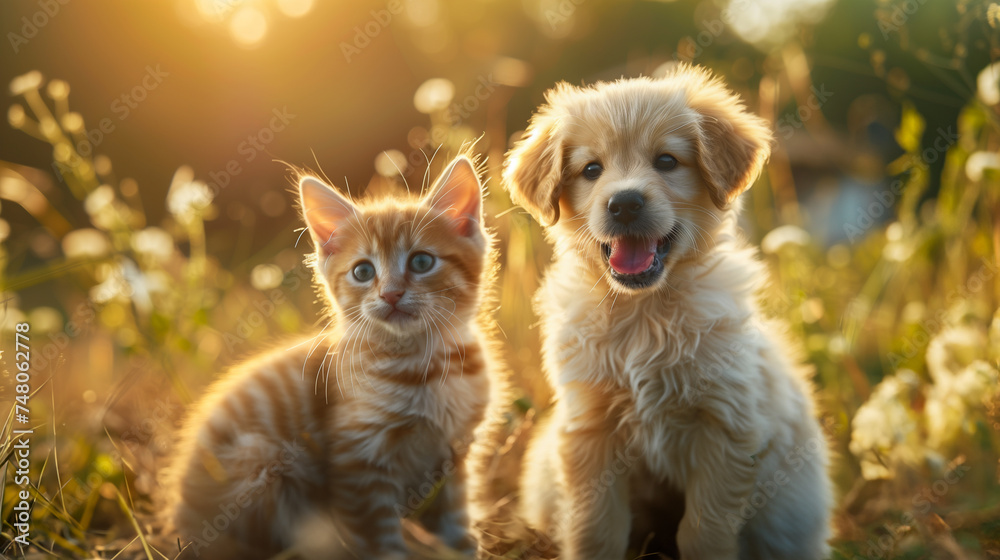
(631, 256)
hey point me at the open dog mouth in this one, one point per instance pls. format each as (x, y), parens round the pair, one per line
(636, 262)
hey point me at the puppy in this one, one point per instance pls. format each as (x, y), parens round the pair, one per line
(672, 391)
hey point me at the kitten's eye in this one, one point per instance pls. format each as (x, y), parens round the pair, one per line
(665, 162)
(421, 262)
(363, 271)
(593, 170)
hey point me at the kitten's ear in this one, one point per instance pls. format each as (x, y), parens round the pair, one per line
(458, 194)
(324, 210)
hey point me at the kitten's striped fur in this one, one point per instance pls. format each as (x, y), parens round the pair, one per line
(358, 425)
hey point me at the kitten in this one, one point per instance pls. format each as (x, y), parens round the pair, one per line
(356, 427)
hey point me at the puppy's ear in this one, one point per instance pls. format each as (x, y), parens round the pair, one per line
(533, 173)
(732, 143)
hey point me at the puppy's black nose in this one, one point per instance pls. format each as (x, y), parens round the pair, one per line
(625, 206)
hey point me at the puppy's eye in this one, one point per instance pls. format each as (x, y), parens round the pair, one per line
(593, 170)
(364, 271)
(421, 262)
(665, 162)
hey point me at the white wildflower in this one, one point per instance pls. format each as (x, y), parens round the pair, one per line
(99, 200)
(114, 287)
(884, 431)
(979, 162)
(266, 276)
(781, 236)
(154, 243)
(25, 82)
(988, 84)
(952, 350)
(962, 380)
(187, 197)
(433, 95)
(85, 243)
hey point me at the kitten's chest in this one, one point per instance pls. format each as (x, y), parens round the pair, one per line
(410, 427)
(449, 409)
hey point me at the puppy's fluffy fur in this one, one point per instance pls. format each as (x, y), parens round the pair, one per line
(672, 390)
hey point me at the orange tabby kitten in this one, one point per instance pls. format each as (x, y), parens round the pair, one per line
(356, 427)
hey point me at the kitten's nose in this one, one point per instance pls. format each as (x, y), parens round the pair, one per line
(625, 206)
(392, 297)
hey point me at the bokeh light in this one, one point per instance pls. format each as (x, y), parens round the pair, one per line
(295, 8)
(434, 95)
(248, 26)
(771, 22)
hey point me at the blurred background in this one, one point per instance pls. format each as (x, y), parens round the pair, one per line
(149, 234)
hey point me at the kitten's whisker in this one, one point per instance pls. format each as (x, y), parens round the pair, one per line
(449, 288)
(374, 354)
(440, 311)
(447, 355)
(365, 322)
(452, 329)
(342, 351)
(367, 339)
(317, 340)
(427, 172)
(425, 226)
(400, 171)
(350, 370)
(441, 336)
(454, 306)
(429, 349)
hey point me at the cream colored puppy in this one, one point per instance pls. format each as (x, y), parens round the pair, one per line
(672, 391)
